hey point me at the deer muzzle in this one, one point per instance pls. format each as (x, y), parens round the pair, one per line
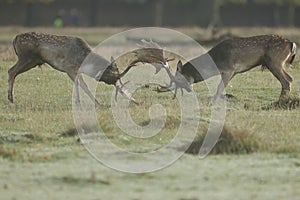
(166, 88)
(174, 86)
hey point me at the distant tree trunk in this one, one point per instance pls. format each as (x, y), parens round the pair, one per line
(276, 16)
(93, 12)
(291, 14)
(215, 22)
(215, 18)
(29, 15)
(158, 13)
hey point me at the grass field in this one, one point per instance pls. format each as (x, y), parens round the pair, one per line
(257, 157)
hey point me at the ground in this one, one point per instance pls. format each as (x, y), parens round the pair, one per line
(41, 157)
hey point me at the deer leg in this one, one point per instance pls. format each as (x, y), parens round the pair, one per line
(20, 67)
(175, 91)
(75, 80)
(85, 88)
(77, 99)
(226, 77)
(287, 76)
(284, 78)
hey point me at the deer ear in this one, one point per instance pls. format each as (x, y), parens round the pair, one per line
(112, 60)
(179, 66)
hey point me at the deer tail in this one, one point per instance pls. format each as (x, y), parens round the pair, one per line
(14, 45)
(293, 52)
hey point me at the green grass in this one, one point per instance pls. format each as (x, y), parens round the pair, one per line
(257, 156)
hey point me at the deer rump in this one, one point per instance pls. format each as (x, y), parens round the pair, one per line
(233, 56)
(65, 54)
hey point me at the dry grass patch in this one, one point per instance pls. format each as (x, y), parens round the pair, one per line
(7, 152)
(230, 142)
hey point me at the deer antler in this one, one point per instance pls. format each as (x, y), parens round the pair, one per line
(121, 89)
(171, 86)
(150, 52)
(175, 82)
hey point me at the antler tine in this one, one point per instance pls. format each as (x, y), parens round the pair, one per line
(150, 44)
(121, 89)
(132, 64)
(150, 52)
(171, 76)
(172, 85)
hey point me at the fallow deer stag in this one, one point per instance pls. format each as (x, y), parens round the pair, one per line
(65, 54)
(233, 56)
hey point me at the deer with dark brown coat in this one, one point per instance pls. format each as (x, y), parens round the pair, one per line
(65, 54)
(234, 56)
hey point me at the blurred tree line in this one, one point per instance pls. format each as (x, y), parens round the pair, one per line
(276, 4)
(161, 6)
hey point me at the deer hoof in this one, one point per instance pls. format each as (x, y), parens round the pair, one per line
(229, 96)
(10, 98)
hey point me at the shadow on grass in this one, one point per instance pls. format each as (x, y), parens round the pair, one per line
(81, 180)
(21, 137)
(172, 122)
(288, 103)
(69, 133)
(86, 129)
(230, 142)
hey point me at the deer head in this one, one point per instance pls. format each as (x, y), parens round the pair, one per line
(177, 81)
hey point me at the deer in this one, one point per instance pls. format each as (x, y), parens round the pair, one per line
(234, 56)
(65, 54)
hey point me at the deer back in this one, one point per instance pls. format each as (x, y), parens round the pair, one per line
(238, 55)
(61, 52)
(242, 54)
